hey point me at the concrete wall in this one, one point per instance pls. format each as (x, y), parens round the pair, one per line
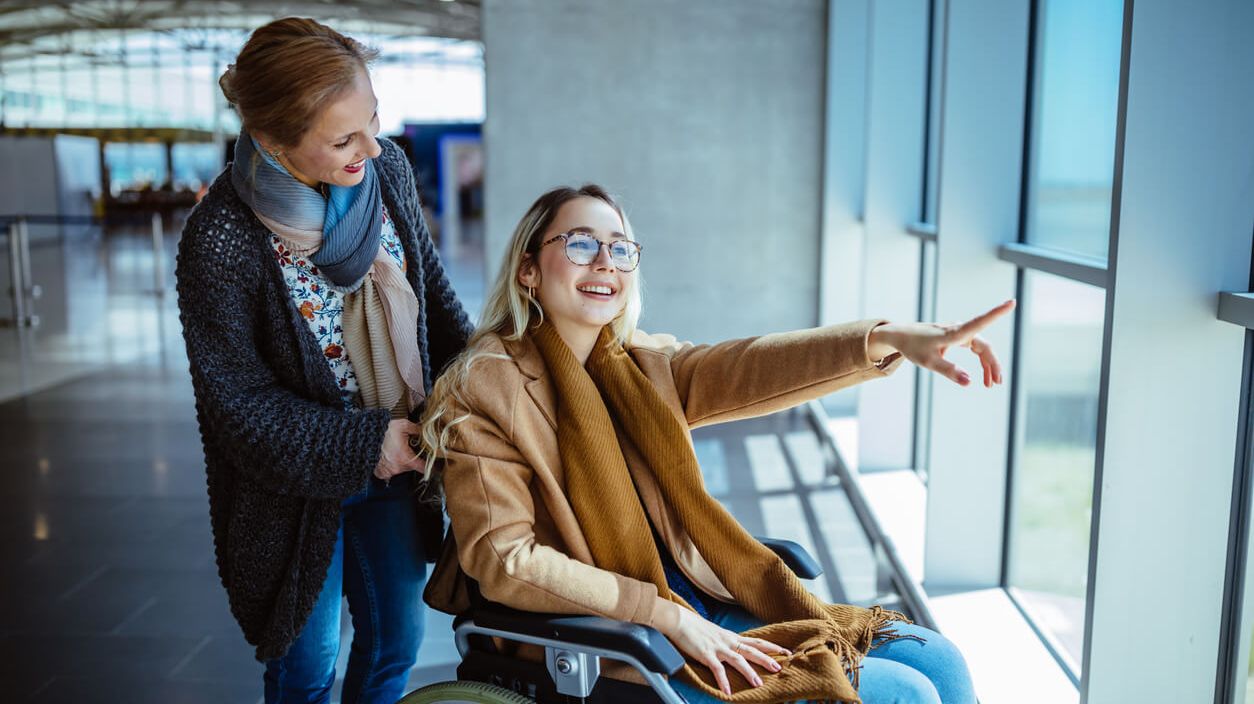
(705, 116)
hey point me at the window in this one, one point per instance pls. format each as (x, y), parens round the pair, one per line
(1060, 356)
(1069, 178)
(1075, 106)
(135, 165)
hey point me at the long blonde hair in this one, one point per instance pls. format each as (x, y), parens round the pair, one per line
(509, 312)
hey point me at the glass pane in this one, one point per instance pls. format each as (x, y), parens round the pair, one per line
(1073, 143)
(136, 165)
(1059, 376)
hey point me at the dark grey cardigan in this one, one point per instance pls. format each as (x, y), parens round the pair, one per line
(281, 452)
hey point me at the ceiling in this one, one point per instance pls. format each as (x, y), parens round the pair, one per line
(29, 28)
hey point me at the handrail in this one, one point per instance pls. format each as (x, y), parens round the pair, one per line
(39, 219)
(910, 590)
(23, 290)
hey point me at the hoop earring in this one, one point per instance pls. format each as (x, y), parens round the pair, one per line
(531, 295)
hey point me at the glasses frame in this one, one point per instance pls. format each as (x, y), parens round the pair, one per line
(565, 237)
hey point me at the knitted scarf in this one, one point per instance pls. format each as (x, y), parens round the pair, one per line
(827, 641)
(340, 233)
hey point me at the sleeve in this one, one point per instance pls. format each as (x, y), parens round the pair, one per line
(493, 519)
(759, 375)
(292, 444)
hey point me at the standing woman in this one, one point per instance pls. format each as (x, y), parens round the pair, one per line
(316, 311)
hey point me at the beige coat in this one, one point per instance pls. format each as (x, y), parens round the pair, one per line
(515, 530)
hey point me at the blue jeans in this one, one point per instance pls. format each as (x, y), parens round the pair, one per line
(901, 671)
(379, 565)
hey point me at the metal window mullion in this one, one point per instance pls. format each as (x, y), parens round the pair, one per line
(1103, 392)
(1076, 267)
(1235, 615)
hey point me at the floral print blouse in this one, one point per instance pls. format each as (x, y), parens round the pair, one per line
(322, 306)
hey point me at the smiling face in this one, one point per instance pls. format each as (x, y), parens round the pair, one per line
(335, 148)
(579, 300)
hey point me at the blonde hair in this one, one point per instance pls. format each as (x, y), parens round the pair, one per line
(509, 312)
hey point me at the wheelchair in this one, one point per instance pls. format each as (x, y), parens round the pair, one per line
(574, 647)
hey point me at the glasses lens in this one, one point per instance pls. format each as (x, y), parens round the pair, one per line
(582, 249)
(625, 255)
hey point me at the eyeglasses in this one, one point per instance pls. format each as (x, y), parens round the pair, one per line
(583, 249)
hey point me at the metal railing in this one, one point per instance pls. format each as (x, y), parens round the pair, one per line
(23, 289)
(904, 584)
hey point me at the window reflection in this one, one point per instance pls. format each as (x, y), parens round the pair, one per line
(1059, 377)
(1073, 128)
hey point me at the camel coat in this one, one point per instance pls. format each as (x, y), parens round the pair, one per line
(514, 528)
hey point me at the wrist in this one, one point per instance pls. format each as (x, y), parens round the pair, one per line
(881, 342)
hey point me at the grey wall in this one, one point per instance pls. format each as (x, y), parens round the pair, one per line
(705, 116)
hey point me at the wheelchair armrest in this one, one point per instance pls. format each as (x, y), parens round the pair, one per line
(798, 560)
(643, 643)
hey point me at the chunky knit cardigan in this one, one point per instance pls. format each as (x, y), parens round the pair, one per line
(281, 452)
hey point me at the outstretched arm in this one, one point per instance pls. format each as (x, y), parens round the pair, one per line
(925, 344)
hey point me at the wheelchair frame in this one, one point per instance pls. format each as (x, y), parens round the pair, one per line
(575, 645)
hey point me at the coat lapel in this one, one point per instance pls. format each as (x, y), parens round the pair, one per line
(541, 391)
(531, 363)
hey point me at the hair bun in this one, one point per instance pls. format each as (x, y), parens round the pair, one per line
(227, 83)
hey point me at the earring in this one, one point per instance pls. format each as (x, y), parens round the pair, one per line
(274, 153)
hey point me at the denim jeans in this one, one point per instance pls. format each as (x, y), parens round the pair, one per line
(901, 671)
(378, 564)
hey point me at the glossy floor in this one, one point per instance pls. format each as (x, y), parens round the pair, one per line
(110, 591)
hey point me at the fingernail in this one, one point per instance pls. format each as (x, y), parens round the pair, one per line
(964, 379)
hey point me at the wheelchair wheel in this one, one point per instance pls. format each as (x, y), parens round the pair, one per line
(463, 693)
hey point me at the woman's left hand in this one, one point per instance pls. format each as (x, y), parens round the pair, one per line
(925, 344)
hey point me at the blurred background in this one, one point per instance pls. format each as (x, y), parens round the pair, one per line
(1082, 532)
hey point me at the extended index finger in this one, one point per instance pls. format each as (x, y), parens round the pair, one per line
(978, 323)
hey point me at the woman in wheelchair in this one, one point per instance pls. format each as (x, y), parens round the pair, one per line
(563, 442)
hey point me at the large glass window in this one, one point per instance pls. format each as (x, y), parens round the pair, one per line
(169, 79)
(1075, 103)
(196, 164)
(1060, 356)
(136, 165)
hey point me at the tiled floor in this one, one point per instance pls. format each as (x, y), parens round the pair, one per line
(110, 592)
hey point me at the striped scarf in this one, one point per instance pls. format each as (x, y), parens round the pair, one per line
(341, 235)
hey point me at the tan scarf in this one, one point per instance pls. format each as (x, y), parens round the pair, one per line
(380, 318)
(827, 641)
(370, 348)
(380, 322)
